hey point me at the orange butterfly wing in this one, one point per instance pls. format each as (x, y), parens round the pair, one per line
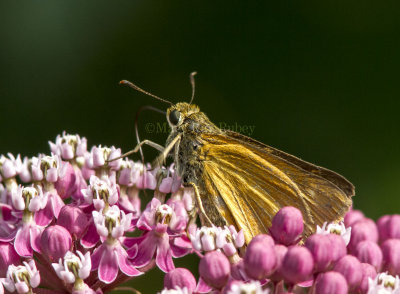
(246, 182)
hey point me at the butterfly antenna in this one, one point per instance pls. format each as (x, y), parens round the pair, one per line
(192, 82)
(133, 86)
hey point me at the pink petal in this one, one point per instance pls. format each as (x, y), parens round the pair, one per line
(165, 186)
(98, 157)
(52, 175)
(146, 250)
(80, 184)
(35, 280)
(35, 235)
(66, 151)
(133, 251)
(180, 247)
(21, 287)
(37, 174)
(108, 268)
(306, 284)
(22, 243)
(56, 202)
(91, 237)
(151, 181)
(164, 255)
(96, 257)
(6, 212)
(125, 177)
(124, 264)
(44, 216)
(7, 235)
(202, 287)
(131, 241)
(176, 184)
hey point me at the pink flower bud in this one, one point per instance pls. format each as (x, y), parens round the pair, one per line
(338, 247)
(55, 242)
(8, 256)
(369, 252)
(287, 226)
(280, 251)
(352, 217)
(368, 272)
(73, 219)
(391, 256)
(260, 259)
(362, 230)
(389, 227)
(381, 223)
(215, 269)
(351, 269)
(320, 248)
(265, 238)
(297, 265)
(180, 277)
(65, 185)
(331, 283)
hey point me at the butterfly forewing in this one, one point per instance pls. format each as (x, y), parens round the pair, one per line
(254, 182)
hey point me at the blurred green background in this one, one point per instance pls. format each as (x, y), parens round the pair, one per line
(317, 79)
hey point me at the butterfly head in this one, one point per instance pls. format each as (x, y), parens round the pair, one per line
(179, 113)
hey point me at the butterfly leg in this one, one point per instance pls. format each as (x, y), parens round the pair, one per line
(136, 149)
(161, 158)
(200, 204)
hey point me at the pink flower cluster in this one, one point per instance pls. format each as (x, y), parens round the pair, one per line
(74, 222)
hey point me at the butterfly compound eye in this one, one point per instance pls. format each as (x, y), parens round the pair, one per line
(174, 117)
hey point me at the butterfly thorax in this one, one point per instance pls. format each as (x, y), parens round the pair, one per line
(187, 152)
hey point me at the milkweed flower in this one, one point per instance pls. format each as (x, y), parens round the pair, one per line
(73, 268)
(100, 157)
(204, 238)
(176, 290)
(29, 198)
(27, 201)
(75, 215)
(240, 287)
(69, 146)
(21, 278)
(101, 192)
(111, 255)
(163, 226)
(384, 283)
(9, 166)
(334, 228)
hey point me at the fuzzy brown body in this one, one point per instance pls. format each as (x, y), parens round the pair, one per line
(244, 182)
